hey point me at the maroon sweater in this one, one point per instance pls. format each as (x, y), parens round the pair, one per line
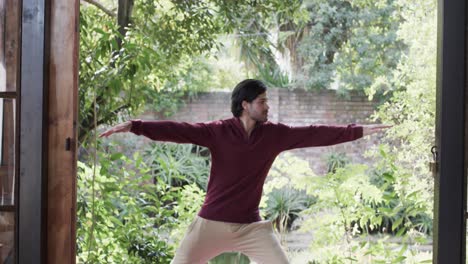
(240, 163)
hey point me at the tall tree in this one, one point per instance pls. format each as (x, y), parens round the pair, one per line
(139, 55)
(347, 45)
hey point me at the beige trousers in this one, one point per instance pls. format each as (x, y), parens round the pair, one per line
(205, 239)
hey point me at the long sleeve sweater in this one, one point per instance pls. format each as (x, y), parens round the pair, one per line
(240, 163)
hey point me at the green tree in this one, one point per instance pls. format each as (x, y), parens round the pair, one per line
(349, 45)
(133, 57)
(401, 176)
(411, 109)
(147, 51)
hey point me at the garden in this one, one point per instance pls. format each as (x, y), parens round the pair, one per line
(135, 203)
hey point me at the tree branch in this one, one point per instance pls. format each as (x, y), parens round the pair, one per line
(88, 125)
(100, 6)
(114, 112)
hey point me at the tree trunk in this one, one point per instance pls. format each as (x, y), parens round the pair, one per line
(123, 18)
(124, 15)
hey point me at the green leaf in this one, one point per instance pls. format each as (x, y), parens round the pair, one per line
(399, 259)
(400, 232)
(116, 156)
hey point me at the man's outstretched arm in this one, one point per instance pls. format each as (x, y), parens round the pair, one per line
(178, 132)
(323, 135)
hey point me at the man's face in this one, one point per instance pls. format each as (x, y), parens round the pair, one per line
(258, 108)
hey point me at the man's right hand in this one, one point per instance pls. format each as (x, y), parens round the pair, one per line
(120, 128)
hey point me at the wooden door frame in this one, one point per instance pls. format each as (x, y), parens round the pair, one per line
(48, 113)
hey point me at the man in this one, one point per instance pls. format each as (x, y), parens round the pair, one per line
(243, 149)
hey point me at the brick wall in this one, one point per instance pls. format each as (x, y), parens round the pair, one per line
(295, 108)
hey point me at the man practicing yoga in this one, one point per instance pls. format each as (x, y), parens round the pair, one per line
(243, 149)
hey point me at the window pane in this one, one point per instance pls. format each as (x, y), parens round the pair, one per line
(9, 48)
(7, 151)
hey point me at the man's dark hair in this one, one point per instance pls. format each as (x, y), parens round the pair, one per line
(247, 90)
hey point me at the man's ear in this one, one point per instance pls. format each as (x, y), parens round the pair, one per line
(244, 104)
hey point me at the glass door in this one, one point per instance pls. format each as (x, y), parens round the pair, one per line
(10, 20)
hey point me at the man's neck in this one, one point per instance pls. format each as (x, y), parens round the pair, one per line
(248, 123)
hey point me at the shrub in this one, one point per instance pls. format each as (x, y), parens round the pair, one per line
(284, 205)
(352, 204)
(336, 161)
(121, 220)
(178, 164)
(284, 195)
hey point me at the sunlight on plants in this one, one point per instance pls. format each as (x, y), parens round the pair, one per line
(135, 205)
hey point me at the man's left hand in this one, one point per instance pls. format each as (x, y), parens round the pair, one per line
(372, 129)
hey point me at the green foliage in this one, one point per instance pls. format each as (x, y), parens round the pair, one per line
(255, 26)
(405, 206)
(345, 193)
(399, 179)
(226, 70)
(411, 109)
(350, 45)
(153, 63)
(158, 57)
(273, 77)
(189, 203)
(283, 195)
(284, 205)
(335, 161)
(331, 23)
(130, 214)
(178, 164)
(185, 167)
(356, 201)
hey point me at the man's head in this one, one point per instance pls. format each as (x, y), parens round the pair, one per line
(249, 98)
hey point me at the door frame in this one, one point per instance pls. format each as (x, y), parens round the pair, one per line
(449, 234)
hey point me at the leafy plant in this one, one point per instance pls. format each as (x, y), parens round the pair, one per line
(284, 205)
(273, 77)
(178, 164)
(350, 207)
(284, 196)
(188, 204)
(402, 208)
(336, 161)
(411, 109)
(122, 217)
